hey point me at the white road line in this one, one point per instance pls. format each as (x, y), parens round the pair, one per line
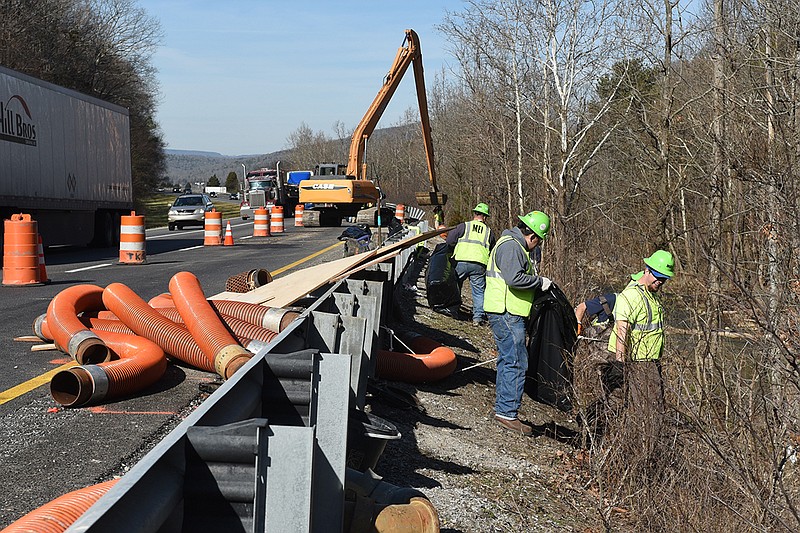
(88, 268)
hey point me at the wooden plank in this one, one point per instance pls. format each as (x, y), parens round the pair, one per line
(286, 290)
(290, 288)
(368, 264)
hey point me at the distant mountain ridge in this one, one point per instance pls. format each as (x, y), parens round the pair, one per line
(198, 166)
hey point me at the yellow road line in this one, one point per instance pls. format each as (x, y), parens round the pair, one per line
(38, 381)
(307, 258)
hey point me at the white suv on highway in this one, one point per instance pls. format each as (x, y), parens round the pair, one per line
(189, 210)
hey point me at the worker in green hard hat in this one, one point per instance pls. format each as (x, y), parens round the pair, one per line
(511, 285)
(637, 340)
(471, 243)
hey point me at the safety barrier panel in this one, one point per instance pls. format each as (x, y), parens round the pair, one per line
(132, 249)
(276, 219)
(20, 250)
(261, 222)
(213, 228)
(298, 215)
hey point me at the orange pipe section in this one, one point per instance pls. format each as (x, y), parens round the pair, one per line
(57, 515)
(104, 324)
(431, 362)
(162, 300)
(243, 331)
(69, 334)
(271, 318)
(417, 516)
(147, 322)
(141, 363)
(205, 326)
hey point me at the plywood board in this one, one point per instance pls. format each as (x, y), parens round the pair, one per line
(290, 288)
(367, 264)
(286, 290)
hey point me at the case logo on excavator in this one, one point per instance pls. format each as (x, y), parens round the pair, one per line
(326, 187)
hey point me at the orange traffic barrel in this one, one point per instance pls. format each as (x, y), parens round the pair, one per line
(132, 249)
(298, 215)
(261, 222)
(276, 220)
(20, 250)
(213, 228)
(400, 213)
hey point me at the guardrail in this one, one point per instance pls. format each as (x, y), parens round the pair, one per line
(268, 450)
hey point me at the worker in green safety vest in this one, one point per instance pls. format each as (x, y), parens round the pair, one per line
(637, 340)
(471, 242)
(511, 285)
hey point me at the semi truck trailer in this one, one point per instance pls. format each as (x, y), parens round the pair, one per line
(65, 159)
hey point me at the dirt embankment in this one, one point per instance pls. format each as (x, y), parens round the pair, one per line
(479, 476)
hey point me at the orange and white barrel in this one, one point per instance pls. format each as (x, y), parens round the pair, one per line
(400, 213)
(20, 250)
(261, 222)
(276, 219)
(132, 249)
(298, 215)
(213, 228)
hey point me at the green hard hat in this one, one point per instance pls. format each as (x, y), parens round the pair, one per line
(662, 262)
(482, 208)
(538, 222)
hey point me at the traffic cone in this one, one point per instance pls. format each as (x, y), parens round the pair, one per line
(228, 235)
(42, 269)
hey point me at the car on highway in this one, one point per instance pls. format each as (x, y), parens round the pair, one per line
(233, 196)
(188, 210)
(176, 188)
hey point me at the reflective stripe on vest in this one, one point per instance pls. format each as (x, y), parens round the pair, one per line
(474, 244)
(645, 339)
(499, 297)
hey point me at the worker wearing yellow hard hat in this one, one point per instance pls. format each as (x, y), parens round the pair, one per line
(637, 340)
(511, 285)
(471, 242)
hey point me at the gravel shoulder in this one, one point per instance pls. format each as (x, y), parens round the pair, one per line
(479, 476)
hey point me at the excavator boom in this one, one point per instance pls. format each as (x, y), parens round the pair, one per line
(409, 53)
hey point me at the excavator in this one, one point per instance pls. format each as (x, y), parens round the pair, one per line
(337, 196)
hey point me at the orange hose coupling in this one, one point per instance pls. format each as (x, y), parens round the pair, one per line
(230, 359)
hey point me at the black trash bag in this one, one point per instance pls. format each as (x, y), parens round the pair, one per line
(552, 334)
(358, 232)
(441, 281)
(395, 226)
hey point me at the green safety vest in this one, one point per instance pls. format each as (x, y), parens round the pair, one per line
(474, 244)
(499, 297)
(646, 329)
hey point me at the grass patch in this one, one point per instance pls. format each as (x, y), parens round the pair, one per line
(154, 207)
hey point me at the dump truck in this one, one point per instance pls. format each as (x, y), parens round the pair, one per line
(338, 192)
(65, 159)
(267, 185)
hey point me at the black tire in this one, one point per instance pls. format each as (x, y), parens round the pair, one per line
(180, 226)
(103, 230)
(171, 226)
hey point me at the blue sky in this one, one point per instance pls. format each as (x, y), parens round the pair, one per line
(238, 77)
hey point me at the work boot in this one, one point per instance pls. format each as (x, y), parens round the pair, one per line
(515, 425)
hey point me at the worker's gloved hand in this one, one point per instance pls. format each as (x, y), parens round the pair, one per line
(546, 283)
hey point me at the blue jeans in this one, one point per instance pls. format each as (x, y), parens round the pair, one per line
(477, 280)
(512, 362)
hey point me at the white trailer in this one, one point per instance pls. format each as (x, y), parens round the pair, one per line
(65, 159)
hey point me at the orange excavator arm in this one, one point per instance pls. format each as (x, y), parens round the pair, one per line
(409, 53)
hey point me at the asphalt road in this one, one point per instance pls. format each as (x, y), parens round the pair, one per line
(47, 450)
